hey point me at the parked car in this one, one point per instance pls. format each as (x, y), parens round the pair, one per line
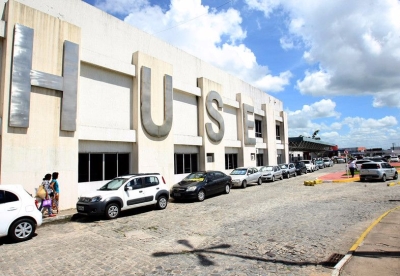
(300, 168)
(245, 175)
(288, 170)
(310, 165)
(199, 185)
(327, 162)
(340, 160)
(320, 164)
(377, 170)
(19, 215)
(360, 162)
(271, 173)
(124, 193)
(394, 159)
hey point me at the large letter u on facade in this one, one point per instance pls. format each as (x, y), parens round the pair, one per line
(145, 108)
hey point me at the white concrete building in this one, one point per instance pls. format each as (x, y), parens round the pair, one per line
(91, 97)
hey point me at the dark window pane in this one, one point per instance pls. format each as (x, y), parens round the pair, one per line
(187, 162)
(260, 158)
(123, 163)
(96, 167)
(179, 163)
(110, 166)
(258, 128)
(83, 167)
(9, 197)
(194, 162)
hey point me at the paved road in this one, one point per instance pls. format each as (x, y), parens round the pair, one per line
(280, 228)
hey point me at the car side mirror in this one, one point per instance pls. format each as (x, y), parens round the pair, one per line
(127, 188)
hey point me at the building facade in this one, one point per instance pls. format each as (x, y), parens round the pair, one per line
(91, 97)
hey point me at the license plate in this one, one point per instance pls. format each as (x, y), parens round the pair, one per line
(177, 194)
(81, 208)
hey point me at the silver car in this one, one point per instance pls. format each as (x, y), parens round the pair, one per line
(377, 170)
(288, 170)
(271, 173)
(245, 175)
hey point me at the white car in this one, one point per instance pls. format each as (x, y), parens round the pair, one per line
(19, 215)
(394, 159)
(310, 165)
(245, 175)
(123, 193)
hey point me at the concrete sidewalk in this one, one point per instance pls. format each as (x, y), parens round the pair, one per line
(377, 252)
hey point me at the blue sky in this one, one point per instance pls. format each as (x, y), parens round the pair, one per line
(334, 64)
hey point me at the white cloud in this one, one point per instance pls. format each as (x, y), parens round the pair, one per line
(213, 36)
(355, 44)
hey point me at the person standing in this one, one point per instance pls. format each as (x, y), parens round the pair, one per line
(56, 188)
(49, 194)
(352, 166)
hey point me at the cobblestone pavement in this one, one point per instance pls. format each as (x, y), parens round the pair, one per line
(279, 228)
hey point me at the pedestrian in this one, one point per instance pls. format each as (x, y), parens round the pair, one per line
(56, 188)
(48, 196)
(352, 166)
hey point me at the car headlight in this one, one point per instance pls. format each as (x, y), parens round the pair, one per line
(96, 199)
(191, 189)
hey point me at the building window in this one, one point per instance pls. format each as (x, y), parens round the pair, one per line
(258, 128)
(185, 163)
(210, 157)
(102, 166)
(230, 161)
(260, 159)
(278, 132)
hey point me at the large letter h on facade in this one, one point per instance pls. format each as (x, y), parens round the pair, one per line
(23, 77)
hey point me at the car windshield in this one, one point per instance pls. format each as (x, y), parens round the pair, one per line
(113, 184)
(196, 177)
(283, 166)
(239, 172)
(270, 168)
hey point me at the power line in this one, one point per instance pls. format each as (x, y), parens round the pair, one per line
(192, 18)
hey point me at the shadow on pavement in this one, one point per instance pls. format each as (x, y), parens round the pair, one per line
(205, 261)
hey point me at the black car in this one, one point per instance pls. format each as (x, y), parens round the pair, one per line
(198, 185)
(300, 168)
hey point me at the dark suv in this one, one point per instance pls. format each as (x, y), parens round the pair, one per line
(300, 167)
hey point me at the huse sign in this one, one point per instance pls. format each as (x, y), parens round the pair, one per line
(23, 76)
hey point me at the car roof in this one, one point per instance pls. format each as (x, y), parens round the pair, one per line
(12, 187)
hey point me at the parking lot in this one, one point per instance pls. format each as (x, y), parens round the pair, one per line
(281, 228)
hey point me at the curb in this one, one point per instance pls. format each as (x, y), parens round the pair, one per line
(58, 217)
(339, 266)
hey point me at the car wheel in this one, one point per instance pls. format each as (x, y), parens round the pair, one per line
(227, 189)
(384, 178)
(112, 211)
(22, 230)
(395, 176)
(362, 179)
(244, 184)
(273, 179)
(281, 176)
(288, 175)
(259, 181)
(162, 203)
(201, 195)
(295, 174)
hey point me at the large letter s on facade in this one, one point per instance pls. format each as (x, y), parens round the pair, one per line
(214, 114)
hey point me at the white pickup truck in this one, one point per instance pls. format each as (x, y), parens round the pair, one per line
(310, 165)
